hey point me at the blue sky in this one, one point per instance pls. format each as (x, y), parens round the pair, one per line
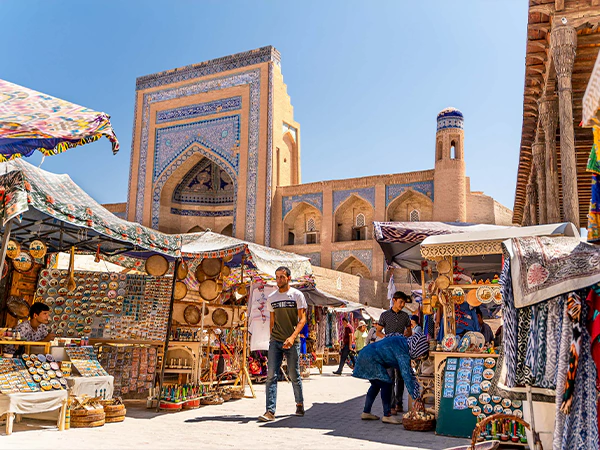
(366, 78)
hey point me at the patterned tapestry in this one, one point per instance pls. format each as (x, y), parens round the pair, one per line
(545, 267)
(30, 120)
(593, 166)
(205, 184)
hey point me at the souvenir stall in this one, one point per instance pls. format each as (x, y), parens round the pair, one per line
(551, 306)
(218, 314)
(464, 270)
(45, 214)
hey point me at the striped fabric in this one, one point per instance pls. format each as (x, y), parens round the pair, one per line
(417, 345)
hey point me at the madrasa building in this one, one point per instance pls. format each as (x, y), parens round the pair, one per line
(215, 146)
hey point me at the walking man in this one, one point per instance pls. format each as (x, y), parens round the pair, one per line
(391, 321)
(288, 316)
(347, 341)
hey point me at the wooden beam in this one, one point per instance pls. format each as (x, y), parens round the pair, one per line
(559, 5)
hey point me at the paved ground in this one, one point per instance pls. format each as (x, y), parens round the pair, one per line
(332, 421)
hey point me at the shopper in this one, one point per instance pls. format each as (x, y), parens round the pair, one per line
(287, 307)
(373, 361)
(346, 344)
(360, 336)
(391, 321)
(414, 323)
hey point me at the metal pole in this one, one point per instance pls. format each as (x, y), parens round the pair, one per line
(168, 336)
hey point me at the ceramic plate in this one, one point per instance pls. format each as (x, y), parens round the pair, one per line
(506, 402)
(472, 401)
(489, 363)
(484, 398)
(497, 295)
(519, 413)
(488, 408)
(476, 410)
(488, 374)
(516, 403)
(496, 399)
(449, 343)
(498, 409)
(484, 294)
(485, 385)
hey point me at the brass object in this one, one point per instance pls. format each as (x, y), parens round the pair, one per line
(443, 266)
(226, 271)
(200, 276)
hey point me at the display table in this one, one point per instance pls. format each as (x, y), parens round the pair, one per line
(92, 386)
(28, 345)
(32, 403)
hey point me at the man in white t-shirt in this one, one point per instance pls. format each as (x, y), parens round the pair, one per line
(287, 307)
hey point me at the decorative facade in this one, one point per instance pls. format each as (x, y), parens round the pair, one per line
(215, 146)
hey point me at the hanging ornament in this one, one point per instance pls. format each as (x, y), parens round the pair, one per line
(37, 249)
(13, 249)
(71, 286)
(98, 257)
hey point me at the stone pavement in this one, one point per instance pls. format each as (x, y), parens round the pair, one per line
(332, 421)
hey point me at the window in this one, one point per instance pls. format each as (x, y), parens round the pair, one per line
(311, 238)
(453, 150)
(360, 220)
(310, 224)
(415, 215)
(359, 233)
(291, 238)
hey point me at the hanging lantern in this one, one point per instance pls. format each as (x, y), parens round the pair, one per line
(38, 249)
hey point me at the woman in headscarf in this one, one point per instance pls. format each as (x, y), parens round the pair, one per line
(394, 351)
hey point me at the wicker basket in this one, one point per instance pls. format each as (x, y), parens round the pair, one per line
(412, 422)
(237, 393)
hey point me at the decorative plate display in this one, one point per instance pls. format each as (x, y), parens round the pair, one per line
(488, 374)
(484, 398)
(58, 310)
(516, 403)
(484, 294)
(465, 342)
(53, 282)
(476, 410)
(472, 401)
(449, 343)
(23, 262)
(481, 417)
(506, 402)
(508, 411)
(458, 295)
(498, 409)
(489, 363)
(55, 273)
(485, 385)
(463, 375)
(497, 295)
(462, 388)
(496, 398)
(460, 402)
(477, 339)
(519, 413)
(488, 408)
(105, 276)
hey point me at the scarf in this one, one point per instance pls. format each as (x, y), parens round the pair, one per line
(574, 312)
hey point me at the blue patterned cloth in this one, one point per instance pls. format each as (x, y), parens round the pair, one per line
(510, 325)
(389, 353)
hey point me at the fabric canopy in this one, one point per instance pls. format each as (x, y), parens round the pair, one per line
(316, 297)
(400, 240)
(591, 99)
(211, 245)
(30, 120)
(53, 208)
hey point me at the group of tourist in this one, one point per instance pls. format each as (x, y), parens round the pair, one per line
(384, 362)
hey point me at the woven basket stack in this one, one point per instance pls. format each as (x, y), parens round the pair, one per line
(86, 412)
(114, 409)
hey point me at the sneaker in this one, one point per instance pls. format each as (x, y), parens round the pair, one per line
(369, 416)
(337, 373)
(299, 410)
(267, 417)
(391, 419)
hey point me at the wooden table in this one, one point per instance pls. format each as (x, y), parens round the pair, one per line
(28, 345)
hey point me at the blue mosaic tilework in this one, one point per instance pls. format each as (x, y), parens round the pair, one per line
(364, 256)
(194, 150)
(289, 202)
(220, 135)
(269, 199)
(187, 212)
(367, 194)
(231, 62)
(199, 110)
(250, 78)
(394, 191)
(315, 258)
(450, 118)
(205, 184)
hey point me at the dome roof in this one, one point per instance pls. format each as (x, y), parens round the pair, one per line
(449, 112)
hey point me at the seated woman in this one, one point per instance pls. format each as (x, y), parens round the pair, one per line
(394, 351)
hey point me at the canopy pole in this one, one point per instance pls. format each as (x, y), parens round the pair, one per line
(4, 245)
(168, 336)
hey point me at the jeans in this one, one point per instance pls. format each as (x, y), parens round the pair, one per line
(343, 358)
(276, 352)
(386, 394)
(398, 389)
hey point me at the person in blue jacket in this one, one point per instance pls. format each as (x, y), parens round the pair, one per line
(394, 351)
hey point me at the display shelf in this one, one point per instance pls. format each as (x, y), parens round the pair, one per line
(473, 286)
(125, 341)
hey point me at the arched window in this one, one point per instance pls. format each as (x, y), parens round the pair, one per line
(415, 215)
(453, 150)
(310, 224)
(291, 238)
(360, 220)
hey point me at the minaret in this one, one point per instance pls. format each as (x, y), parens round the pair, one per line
(450, 186)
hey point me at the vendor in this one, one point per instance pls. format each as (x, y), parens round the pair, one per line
(35, 329)
(484, 328)
(395, 352)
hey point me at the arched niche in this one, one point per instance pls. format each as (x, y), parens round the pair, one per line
(196, 229)
(286, 162)
(228, 230)
(200, 192)
(401, 208)
(354, 266)
(353, 220)
(302, 225)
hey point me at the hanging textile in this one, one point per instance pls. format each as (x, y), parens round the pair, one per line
(552, 342)
(510, 324)
(594, 327)
(574, 313)
(593, 166)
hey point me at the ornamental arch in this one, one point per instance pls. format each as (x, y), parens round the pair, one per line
(354, 266)
(302, 225)
(410, 203)
(354, 210)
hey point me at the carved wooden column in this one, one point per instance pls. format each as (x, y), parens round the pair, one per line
(531, 205)
(538, 148)
(563, 44)
(548, 108)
